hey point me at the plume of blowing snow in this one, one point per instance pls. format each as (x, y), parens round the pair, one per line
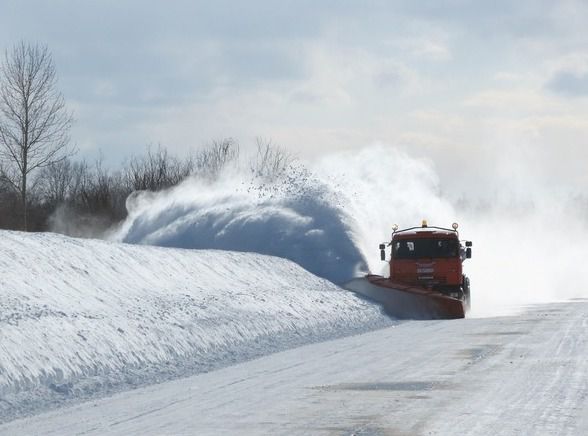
(329, 217)
(296, 217)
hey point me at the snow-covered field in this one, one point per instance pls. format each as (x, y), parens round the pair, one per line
(84, 318)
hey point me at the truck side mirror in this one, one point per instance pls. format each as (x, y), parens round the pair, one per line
(468, 253)
(468, 243)
(382, 251)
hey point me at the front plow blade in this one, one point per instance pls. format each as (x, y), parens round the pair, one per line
(407, 302)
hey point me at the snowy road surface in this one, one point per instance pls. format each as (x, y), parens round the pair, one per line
(523, 374)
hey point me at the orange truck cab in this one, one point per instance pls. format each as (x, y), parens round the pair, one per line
(429, 257)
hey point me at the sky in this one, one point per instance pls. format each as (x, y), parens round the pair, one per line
(469, 85)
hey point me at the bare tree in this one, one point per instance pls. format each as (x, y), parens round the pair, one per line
(34, 122)
(61, 181)
(55, 181)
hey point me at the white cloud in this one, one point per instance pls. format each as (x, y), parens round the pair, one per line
(505, 76)
(439, 120)
(432, 48)
(520, 99)
(104, 89)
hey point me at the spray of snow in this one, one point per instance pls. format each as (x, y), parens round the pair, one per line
(297, 217)
(327, 217)
(330, 215)
(529, 249)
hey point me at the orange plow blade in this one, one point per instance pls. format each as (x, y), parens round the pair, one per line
(407, 302)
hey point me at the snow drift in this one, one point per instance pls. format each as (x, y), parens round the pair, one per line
(81, 317)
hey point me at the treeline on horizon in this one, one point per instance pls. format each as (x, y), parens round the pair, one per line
(81, 198)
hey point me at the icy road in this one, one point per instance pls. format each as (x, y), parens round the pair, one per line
(523, 374)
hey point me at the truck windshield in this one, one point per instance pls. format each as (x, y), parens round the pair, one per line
(419, 248)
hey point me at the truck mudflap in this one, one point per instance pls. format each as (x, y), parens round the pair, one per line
(407, 302)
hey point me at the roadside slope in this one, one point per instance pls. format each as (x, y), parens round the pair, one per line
(81, 318)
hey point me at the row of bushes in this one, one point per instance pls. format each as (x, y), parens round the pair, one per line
(83, 199)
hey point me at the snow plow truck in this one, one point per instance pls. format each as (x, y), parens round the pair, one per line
(426, 280)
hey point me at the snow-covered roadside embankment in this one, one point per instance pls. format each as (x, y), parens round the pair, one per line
(82, 317)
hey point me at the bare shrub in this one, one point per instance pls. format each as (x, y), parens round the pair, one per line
(61, 181)
(209, 162)
(156, 170)
(270, 161)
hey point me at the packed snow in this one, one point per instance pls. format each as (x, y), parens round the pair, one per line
(517, 375)
(80, 318)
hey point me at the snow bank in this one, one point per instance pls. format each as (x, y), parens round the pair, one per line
(80, 317)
